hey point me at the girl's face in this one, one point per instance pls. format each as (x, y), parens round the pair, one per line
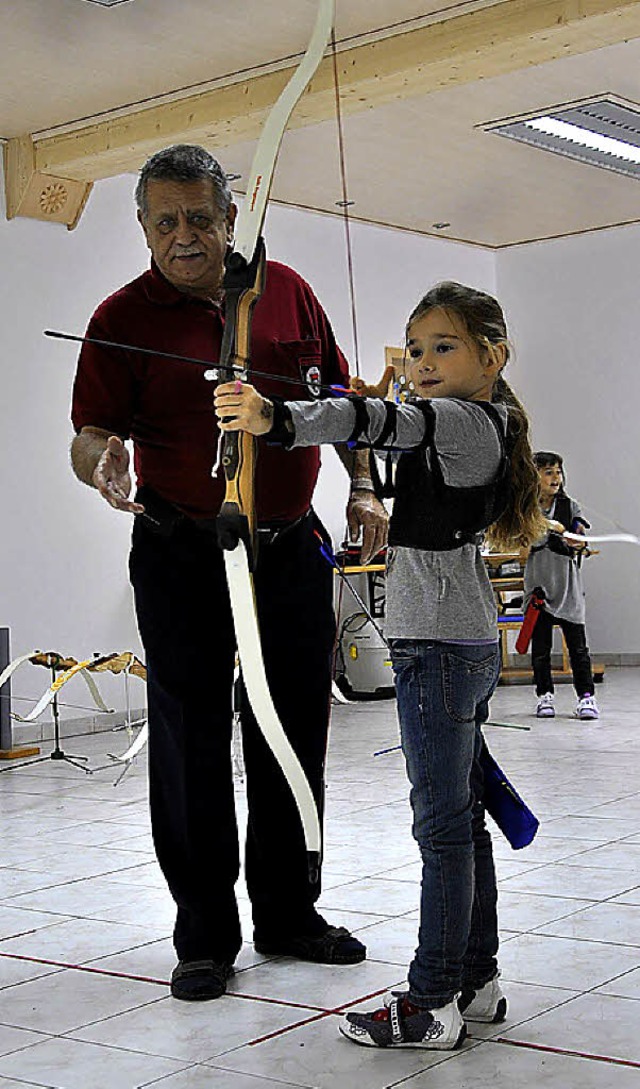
(444, 361)
(551, 480)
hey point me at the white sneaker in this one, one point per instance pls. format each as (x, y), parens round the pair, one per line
(587, 707)
(400, 1024)
(488, 1004)
(546, 706)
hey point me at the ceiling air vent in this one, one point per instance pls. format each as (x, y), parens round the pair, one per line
(602, 132)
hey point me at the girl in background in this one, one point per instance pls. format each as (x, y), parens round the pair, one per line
(553, 565)
(464, 470)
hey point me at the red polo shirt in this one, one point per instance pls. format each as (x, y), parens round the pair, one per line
(166, 406)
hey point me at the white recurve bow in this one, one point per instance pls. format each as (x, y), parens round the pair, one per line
(244, 282)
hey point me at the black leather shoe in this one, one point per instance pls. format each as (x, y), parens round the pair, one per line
(200, 980)
(335, 946)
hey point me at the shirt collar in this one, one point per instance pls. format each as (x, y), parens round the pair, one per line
(159, 291)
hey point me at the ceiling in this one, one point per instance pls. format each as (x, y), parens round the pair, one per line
(416, 155)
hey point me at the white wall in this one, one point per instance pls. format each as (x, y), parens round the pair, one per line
(573, 315)
(63, 552)
(63, 584)
(573, 311)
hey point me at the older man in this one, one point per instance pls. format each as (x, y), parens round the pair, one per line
(177, 571)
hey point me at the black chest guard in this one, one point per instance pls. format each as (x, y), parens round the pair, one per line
(554, 542)
(429, 514)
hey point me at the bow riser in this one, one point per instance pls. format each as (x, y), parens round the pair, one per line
(243, 284)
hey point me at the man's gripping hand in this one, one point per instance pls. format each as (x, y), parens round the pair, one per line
(366, 512)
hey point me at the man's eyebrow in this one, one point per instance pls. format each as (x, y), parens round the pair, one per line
(200, 209)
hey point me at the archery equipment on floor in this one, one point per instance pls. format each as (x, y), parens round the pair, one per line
(126, 663)
(65, 667)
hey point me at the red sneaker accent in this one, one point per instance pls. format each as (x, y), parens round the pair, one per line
(408, 1008)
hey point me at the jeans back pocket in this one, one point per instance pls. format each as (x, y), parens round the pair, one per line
(468, 680)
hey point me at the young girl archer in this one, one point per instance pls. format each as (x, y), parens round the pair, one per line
(464, 469)
(553, 565)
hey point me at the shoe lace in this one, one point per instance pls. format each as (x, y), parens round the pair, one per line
(407, 1009)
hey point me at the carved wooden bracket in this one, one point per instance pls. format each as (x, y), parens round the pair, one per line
(35, 195)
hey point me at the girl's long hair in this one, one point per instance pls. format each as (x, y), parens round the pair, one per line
(522, 522)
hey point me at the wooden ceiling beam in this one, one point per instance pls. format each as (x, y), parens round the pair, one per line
(509, 36)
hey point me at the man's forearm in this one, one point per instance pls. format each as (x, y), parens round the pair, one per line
(86, 450)
(357, 463)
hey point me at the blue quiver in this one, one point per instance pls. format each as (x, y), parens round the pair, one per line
(502, 801)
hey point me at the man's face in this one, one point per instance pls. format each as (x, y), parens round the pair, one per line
(187, 234)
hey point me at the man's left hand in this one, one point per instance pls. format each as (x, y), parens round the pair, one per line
(366, 512)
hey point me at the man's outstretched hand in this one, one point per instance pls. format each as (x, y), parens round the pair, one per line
(112, 478)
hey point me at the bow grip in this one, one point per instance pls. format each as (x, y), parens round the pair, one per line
(233, 526)
(313, 866)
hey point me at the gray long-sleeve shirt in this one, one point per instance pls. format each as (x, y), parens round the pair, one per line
(559, 576)
(443, 596)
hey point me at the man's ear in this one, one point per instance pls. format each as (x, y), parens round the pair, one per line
(140, 218)
(231, 221)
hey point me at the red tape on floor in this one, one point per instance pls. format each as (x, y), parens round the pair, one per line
(321, 1013)
(566, 1051)
(318, 1016)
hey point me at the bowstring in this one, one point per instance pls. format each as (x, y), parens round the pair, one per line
(345, 203)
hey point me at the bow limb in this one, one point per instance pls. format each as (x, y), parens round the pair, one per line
(257, 686)
(251, 219)
(587, 538)
(244, 283)
(135, 747)
(9, 670)
(95, 692)
(53, 690)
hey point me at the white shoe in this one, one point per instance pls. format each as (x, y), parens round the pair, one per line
(587, 707)
(546, 706)
(488, 1004)
(395, 1025)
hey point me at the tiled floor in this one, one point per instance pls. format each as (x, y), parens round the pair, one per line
(84, 922)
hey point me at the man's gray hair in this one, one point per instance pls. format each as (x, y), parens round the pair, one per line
(183, 163)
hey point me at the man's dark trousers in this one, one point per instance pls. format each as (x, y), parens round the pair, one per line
(185, 622)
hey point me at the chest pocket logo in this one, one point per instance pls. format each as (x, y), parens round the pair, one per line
(311, 376)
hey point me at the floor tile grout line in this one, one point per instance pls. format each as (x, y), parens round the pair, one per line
(322, 1010)
(80, 968)
(336, 1010)
(549, 1049)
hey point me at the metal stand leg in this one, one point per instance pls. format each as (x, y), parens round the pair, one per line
(57, 753)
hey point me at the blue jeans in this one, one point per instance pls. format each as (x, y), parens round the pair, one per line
(443, 691)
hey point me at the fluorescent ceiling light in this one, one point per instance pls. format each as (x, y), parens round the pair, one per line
(564, 131)
(603, 133)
